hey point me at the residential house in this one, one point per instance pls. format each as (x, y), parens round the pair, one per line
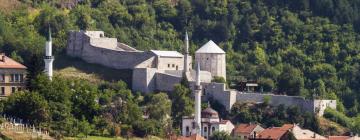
(12, 76)
(246, 131)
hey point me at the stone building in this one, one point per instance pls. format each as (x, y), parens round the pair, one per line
(12, 76)
(212, 58)
(159, 70)
(154, 70)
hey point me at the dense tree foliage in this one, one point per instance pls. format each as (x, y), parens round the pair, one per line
(303, 47)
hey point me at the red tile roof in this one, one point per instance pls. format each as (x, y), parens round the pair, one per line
(244, 128)
(271, 133)
(287, 127)
(8, 63)
(339, 137)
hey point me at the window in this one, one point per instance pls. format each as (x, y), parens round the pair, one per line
(13, 89)
(17, 77)
(2, 78)
(21, 78)
(193, 125)
(177, 67)
(173, 65)
(168, 65)
(12, 76)
(213, 129)
(2, 90)
(205, 129)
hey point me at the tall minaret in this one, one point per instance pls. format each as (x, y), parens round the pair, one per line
(186, 57)
(49, 59)
(198, 101)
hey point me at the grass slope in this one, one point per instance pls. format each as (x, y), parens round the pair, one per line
(76, 68)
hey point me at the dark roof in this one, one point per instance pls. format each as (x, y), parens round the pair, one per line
(209, 110)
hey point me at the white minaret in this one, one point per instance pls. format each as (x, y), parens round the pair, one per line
(186, 57)
(49, 59)
(198, 101)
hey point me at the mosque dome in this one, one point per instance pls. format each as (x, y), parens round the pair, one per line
(209, 113)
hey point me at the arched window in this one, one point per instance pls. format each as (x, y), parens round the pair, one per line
(213, 129)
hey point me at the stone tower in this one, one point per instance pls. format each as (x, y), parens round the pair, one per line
(212, 58)
(197, 94)
(48, 58)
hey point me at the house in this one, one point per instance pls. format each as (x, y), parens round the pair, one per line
(275, 133)
(305, 134)
(246, 131)
(12, 76)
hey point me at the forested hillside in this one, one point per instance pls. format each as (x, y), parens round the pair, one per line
(296, 47)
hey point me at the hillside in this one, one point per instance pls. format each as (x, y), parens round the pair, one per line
(303, 47)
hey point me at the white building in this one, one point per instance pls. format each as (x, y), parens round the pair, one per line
(210, 123)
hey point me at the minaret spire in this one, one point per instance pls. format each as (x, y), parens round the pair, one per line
(197, 93)
(186, 56)
(48, 58)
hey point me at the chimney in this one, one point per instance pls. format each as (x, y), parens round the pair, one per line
(2, 57)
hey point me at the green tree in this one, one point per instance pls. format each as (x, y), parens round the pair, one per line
(220, 136)
(290, 81)
(29, 106)
(182, 103)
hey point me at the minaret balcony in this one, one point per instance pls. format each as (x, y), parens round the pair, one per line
(48, 57)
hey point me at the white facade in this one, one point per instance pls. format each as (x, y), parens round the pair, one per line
(212, 58)
(210, 123)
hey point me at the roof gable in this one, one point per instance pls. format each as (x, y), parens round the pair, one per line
(8, 63)
(245, 128)
(210, 47)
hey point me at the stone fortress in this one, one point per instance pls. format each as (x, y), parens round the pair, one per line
(158, 70)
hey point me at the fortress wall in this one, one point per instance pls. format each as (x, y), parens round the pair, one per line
(166, 82)
(321, 105)
(144, 79)
(108, 43)
(276, 100)
(114, 59)
(95, 34)
(75, 43)
(218, 92)
(79, 45)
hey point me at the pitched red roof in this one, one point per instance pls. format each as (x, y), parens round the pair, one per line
(287, 127)
(272, 133)
(339, 137)
(8, 63)
(244, 128)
